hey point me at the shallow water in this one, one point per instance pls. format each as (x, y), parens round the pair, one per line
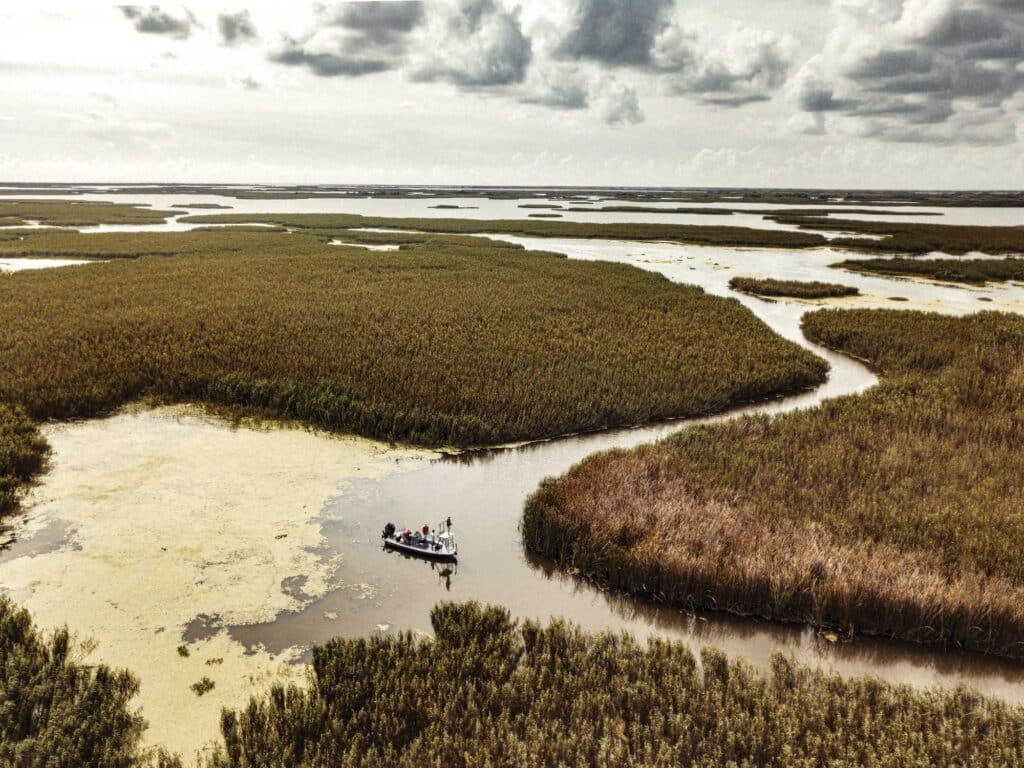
(19, 265)
(747, 215)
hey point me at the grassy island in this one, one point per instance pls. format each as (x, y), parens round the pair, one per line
(895, 512)
(77, 213)
(795, 289)
(969, 271)
(447, 341)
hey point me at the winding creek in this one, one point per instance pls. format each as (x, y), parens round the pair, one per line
(166, 527)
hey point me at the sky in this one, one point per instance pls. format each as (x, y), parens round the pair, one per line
(775, 93)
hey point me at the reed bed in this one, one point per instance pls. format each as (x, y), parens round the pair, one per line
(77, 213)
(894, 513)
(899, 237)
(23, 454)
(738, 237)
(969, 271)
(449, 341)
(911, 237)
(795, 289)
(58, 712)
(489, 691)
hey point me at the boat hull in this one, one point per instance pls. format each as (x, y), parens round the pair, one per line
(424, 552)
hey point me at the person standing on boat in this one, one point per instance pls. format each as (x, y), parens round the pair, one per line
(448, 524)
(426, 530)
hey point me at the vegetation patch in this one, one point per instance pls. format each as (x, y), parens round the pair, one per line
(488, 691)
(77, 213)
(449, 341)
(57, 711)
(792, 288)
(675, 233)
(23, 454)
(895, 512)
(969, 271)
(912, 237)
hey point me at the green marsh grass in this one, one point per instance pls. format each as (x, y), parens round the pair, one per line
(895, 512)
(791, 288)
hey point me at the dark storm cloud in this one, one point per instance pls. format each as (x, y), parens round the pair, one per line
(923, 84)
(153, 20)
(383, 22)
(236, 28)
(479, 45)
(293, 53)
(614, 32)
(354, 39)
(731, 69)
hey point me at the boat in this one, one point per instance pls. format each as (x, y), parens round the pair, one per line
(426, 543)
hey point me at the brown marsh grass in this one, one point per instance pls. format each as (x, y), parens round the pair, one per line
(490, 691)
(791, 288)
(77, 213)
(896, 512)
(449, 341)
(486, 690)
(970, 271)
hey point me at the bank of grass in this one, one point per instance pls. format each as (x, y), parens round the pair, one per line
(895, 512)
(77, 213)
(795, 289)
(911, 237)
(738, 237)
(489, 691)
(890, 237)
(448, 341)
(968, 271)
(57, 711)
(23, 454)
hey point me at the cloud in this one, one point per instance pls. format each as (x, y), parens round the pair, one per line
(473, 44)
(354, 39)
(613, 32)
(739, 66)
(929, 71)
(236, 28)
(730, 68)
(618, 105)
(557, 87)
(153, 20)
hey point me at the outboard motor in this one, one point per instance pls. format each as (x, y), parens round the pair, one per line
(389, 530)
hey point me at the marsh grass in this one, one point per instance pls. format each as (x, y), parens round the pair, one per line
(23, 455)
(969, 271)
(677, 233)
(448, 341)
(57, 711)
(490, 691)
(77, 213)
(791, 288)
(911, 237)
(895, 512)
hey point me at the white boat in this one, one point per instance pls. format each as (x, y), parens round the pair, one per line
(439, 545)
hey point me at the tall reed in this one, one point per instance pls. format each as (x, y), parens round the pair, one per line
(895, 512)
